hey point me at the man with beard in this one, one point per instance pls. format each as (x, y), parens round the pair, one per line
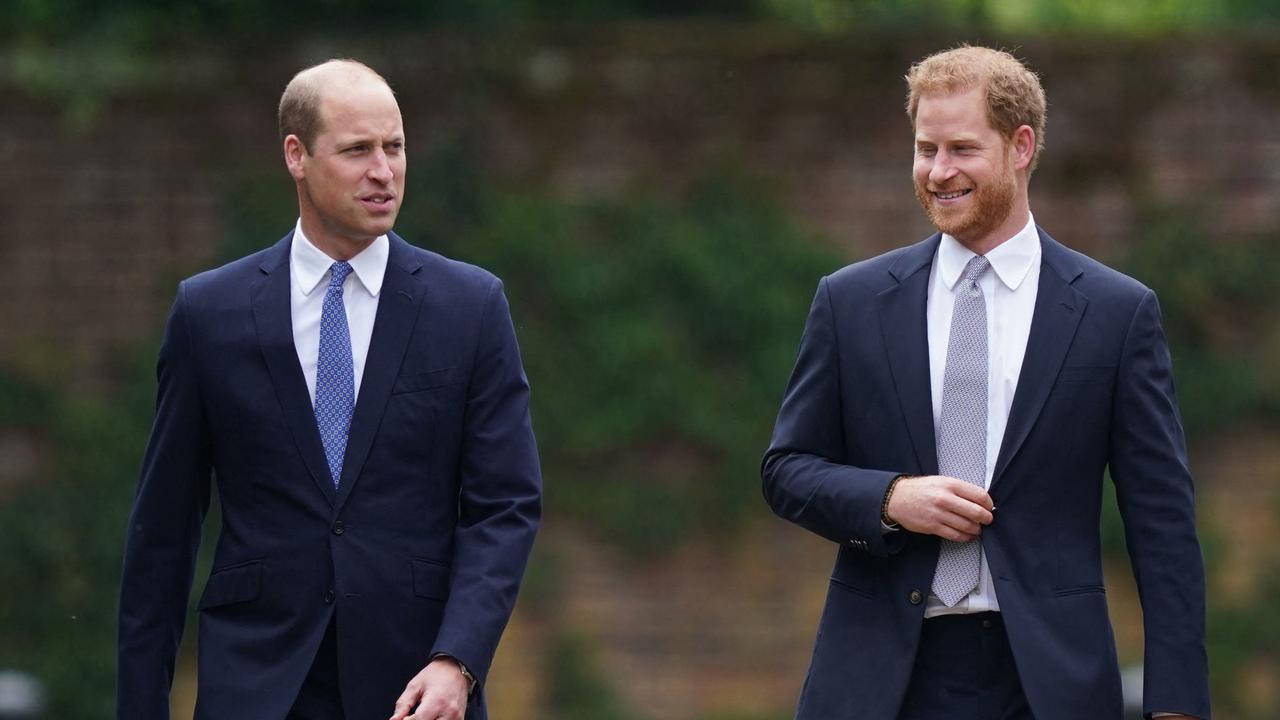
(363, 407)
(952, 411)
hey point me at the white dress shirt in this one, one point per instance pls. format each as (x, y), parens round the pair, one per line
(309, 280)
(1010, 294)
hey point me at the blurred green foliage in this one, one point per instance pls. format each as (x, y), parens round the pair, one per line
(170, 22)
(62, 548)
(174, 21)
(1134, 17)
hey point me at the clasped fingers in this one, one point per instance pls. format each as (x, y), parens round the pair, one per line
(439, 707)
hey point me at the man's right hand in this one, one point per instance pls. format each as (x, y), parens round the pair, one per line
(939, 505)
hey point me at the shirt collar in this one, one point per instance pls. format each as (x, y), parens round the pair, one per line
(1010, 259)
(311, 265)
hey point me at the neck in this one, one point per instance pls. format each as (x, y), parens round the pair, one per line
(336, 246)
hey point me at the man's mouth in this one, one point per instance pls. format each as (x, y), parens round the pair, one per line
(951, 194)
(378, 200)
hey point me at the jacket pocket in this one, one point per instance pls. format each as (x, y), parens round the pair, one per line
(234, 584)
(1086, 374)
(413, 382)
(430, 579)
(851, 588)
(1080, 590)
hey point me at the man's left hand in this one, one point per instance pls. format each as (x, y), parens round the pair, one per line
(439, 692)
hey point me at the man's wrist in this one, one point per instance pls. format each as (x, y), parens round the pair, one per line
(466, 674)
(884, 505)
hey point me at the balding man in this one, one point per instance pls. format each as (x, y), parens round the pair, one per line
(363, 406)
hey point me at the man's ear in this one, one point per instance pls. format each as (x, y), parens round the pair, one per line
(1024, 147)
(294, 152)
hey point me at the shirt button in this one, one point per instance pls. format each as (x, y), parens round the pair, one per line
(328, 598)
(916, 597)
(338, 529)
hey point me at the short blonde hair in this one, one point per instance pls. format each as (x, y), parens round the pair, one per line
(1014, 95)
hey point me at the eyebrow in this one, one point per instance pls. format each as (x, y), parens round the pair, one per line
(961, 140)
(354, 140)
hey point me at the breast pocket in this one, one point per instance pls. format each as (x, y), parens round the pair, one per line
(419, 381)
(1086, 374)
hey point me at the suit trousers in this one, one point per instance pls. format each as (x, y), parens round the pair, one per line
(320, 698)
(964, 668)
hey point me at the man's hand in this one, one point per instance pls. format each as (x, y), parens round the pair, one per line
(439, 692)
(938, 505)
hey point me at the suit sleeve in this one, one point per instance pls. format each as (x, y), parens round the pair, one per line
(1154, 490)
(164, 531)
(804, 479)
(499, 497)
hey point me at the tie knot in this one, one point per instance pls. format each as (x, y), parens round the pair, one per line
(978, 264)
(338, 273)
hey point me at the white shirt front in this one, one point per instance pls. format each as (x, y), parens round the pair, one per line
(309, 280)
(1010, 294)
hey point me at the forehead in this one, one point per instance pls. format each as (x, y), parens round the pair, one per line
(359, 107)
(943, 115)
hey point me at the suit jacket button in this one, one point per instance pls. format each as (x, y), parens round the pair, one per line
(328, 598)
(338, 529)
(916, 597)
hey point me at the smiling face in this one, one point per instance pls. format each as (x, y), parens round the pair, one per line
(969, 178)
(351, 180)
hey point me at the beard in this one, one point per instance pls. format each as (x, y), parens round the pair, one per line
(989, 206)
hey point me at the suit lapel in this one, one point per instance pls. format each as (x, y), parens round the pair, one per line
(1057, 314)
(273, 317)
(905, 330)
(401, 297)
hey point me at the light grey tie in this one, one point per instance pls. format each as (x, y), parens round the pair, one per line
(962, 432)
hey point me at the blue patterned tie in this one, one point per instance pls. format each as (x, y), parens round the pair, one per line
(335, 376)
(962, 430)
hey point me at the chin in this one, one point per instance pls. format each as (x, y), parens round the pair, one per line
(954, 224)
(382, 227)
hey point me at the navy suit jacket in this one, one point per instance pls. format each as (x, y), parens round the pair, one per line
(421, 548)
(1095, 393)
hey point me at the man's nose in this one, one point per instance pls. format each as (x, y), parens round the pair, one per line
(380, 168)
(942, 169)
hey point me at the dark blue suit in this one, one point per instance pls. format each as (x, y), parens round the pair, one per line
(1095, 392)
(420, 550)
